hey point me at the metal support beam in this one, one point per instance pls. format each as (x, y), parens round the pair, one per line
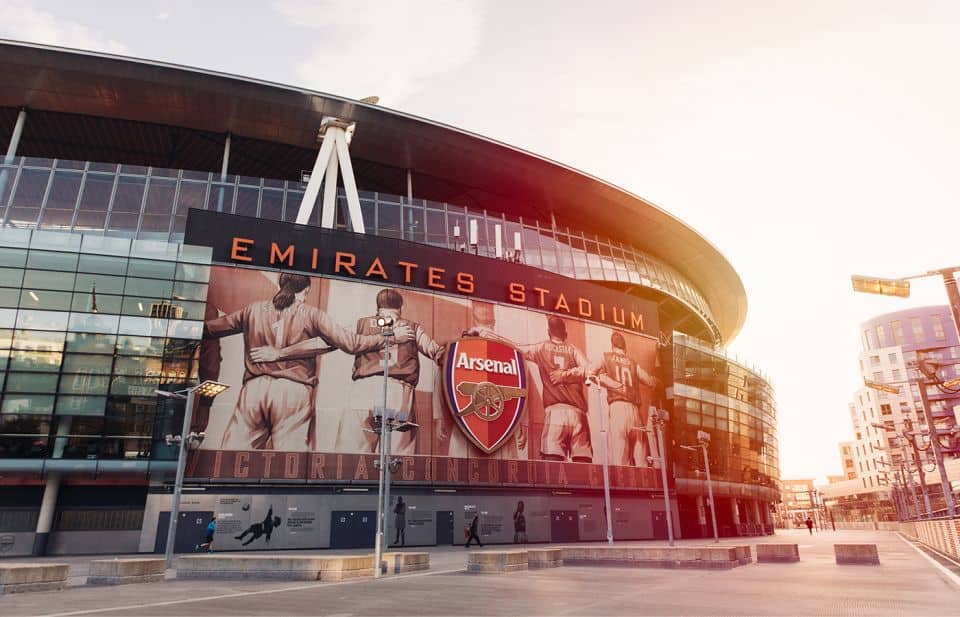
(48, 507)
(333, 159)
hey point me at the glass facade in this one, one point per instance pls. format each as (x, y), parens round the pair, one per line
(152, 204)
(90, 327)
(735, 405)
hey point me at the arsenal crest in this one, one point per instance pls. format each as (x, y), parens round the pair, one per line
(485, 384)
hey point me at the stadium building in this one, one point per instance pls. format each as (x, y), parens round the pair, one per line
(164, 226)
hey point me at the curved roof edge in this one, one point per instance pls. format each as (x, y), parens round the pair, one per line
(107, 85)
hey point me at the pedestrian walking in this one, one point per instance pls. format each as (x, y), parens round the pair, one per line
(400, 521)
(472, 532)
(809, 523)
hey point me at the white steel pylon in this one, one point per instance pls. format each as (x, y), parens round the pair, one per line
(334, 157)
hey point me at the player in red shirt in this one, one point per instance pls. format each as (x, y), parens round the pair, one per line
(621, 375)
(563, 367)
(275, 410)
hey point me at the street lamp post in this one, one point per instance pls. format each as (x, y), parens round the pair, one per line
(603, 453)
(383, 483)
(928, 414)
(703, 440)
(904, 437)
(186, 440)
(659, 417)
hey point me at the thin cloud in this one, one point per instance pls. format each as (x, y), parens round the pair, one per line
(24, 22)
(388, 49)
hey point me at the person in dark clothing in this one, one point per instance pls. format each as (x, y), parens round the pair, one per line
(400, 521)
(263, 528)
(208, 543)
(809, 523)
(519, 525)
(472, 534)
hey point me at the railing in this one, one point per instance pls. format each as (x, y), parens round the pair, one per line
(941, 534)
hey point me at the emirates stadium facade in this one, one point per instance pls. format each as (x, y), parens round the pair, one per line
(165, 226)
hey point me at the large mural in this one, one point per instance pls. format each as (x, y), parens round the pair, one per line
(304, 356)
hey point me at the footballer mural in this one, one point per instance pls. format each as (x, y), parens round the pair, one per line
(491, 391)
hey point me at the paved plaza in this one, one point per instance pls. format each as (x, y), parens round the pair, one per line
(906, 583)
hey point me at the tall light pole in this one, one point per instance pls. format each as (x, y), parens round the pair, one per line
(594, 381)
(185, 440)
(383, 484)
(904, 437)
(929, 369)
(659, 417)
(385, 421)
(703, 439)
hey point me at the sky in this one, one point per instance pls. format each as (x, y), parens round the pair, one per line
(806, 140)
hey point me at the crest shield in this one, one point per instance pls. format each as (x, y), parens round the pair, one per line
(485, 386)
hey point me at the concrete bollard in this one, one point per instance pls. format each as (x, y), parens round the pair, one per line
(856, 554)
(778, 553)
(21, 577)
(124, 571)
(483, 562)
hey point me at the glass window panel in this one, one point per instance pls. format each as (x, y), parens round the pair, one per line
(82, 342)
(30, 360)
(154, 288)
(11, 277)
(25, 205)
(42, 320)
(192, 195)
(190, 254)
(62, 200)
(189, 174)
(105, 324)
(86, 363)
(52, 260)
(413, 223)
(81, 405)
(129, 195)
(46, 279)
(31, 382)
(43, 299)
(271, 205)
(138, 306)
(6, 338)
(29, 404)
(157, 213)
(221, 198)
(24, 425)
(149, 268)
(8, 317)
(100, 265)
(247, 201)
(294, 197)
(436, 228)
(128, 385)
(189, 291)
(82, 383)
(92, 211)
(193, 272)
(134, 169)
(38, 340)
(143, 326)
(185, 329)
(188, 310)
(388, 220)
(139, 346)
(12, 257)
(96, 303)
(139, 425)
(142, 366)
(9, 298)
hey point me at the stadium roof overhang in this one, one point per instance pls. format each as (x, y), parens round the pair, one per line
(503, 177)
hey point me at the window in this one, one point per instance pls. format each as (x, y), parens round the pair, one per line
(897, 328)
(917, 326)
(892, 358)
(881, 337)
(937, 323)
(878, 376)
(874, 360)
(897, 375)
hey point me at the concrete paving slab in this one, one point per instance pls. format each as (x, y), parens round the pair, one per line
(905, 583)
